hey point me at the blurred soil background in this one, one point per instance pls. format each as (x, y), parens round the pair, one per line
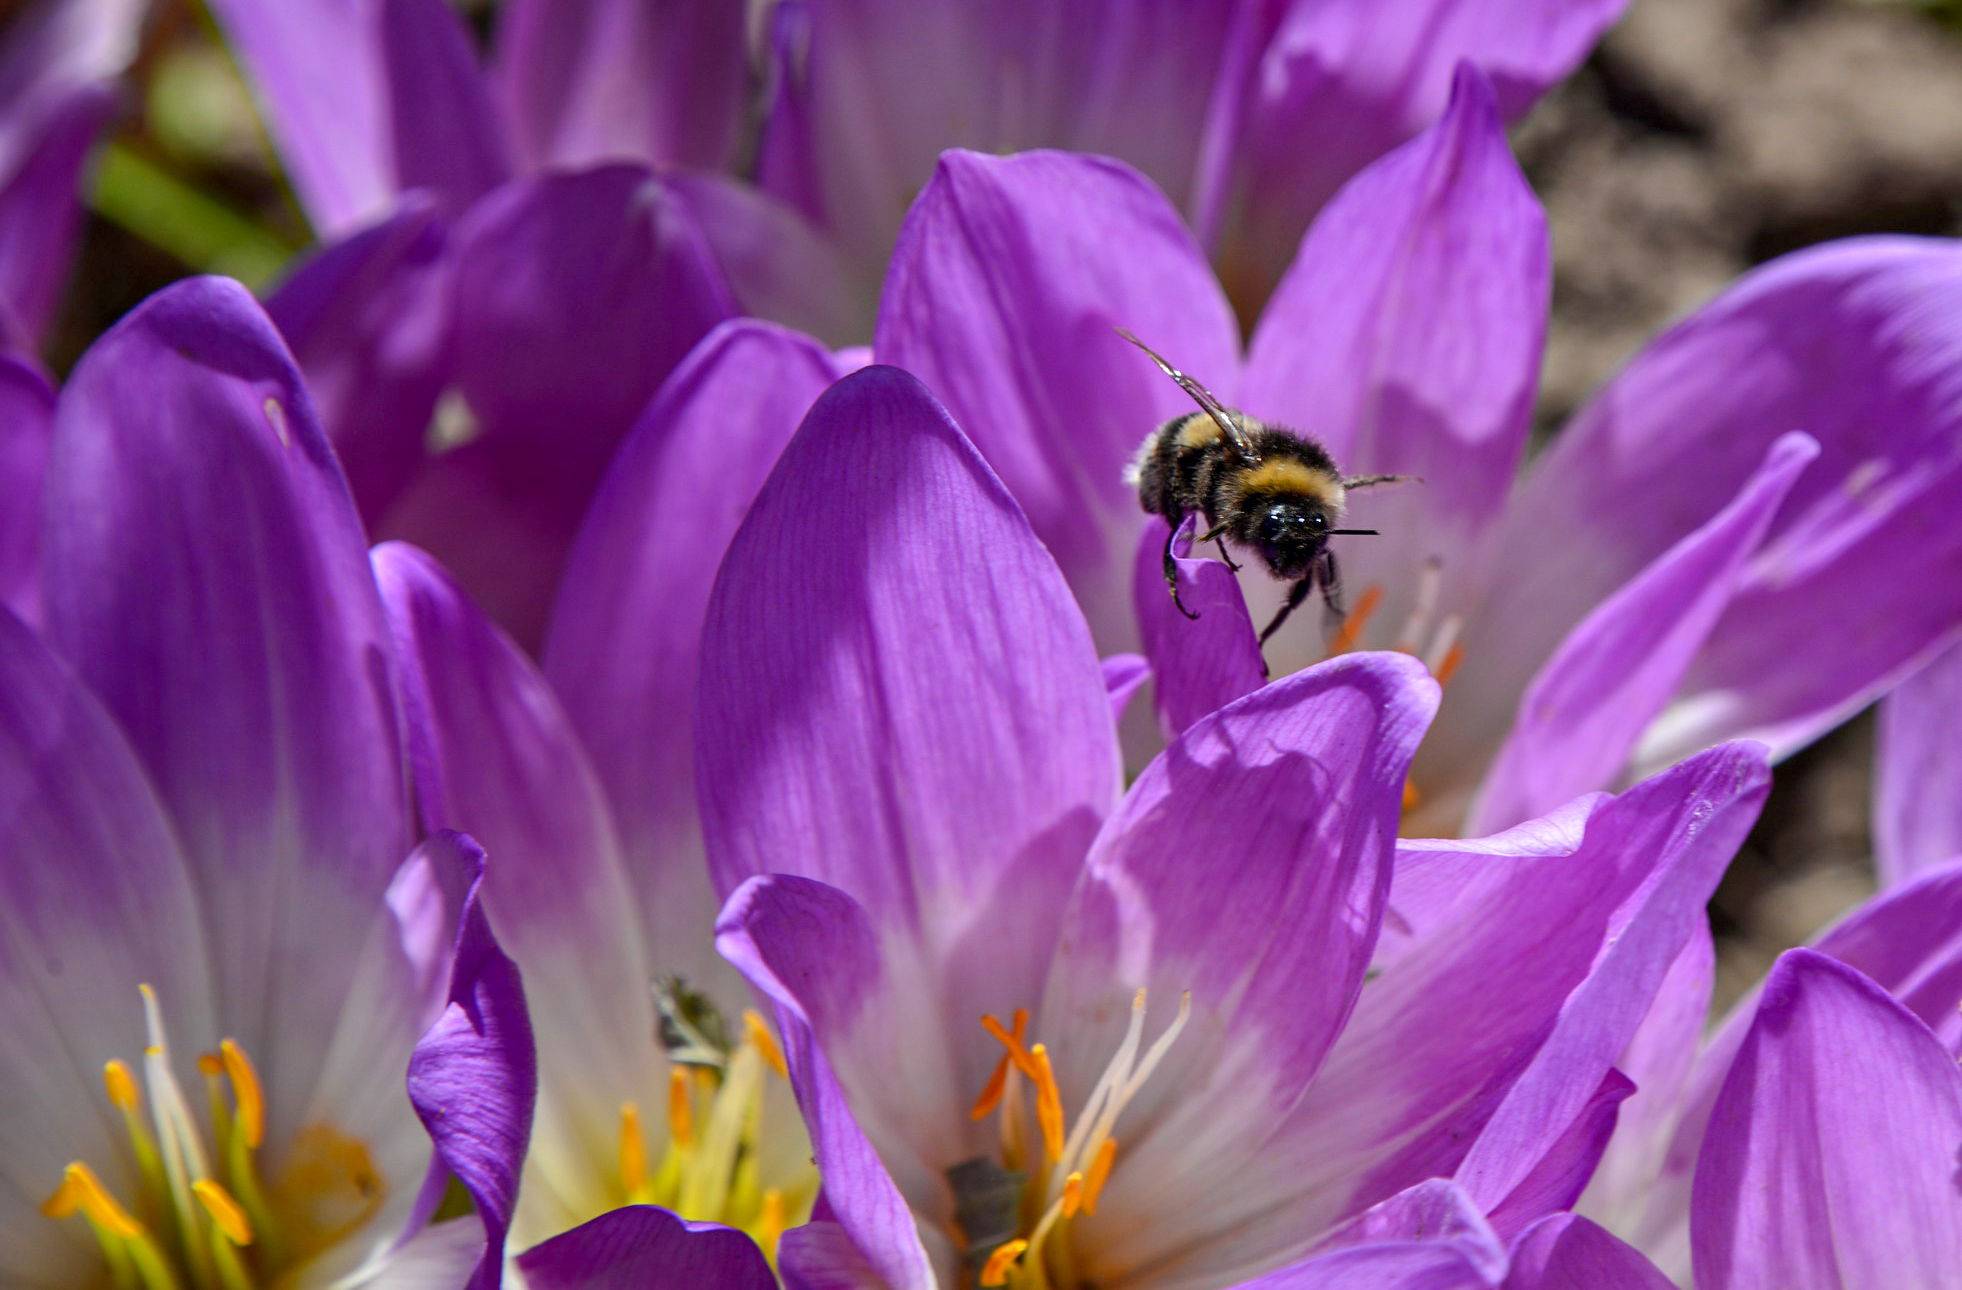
(1702, 137)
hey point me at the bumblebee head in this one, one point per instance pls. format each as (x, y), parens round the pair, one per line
(1289, 533)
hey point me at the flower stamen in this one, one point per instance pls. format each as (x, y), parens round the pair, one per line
(1350, 633)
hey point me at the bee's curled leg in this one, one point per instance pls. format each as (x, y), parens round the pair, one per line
(1172, 570)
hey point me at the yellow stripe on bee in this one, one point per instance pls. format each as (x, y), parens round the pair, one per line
(1197, 429)
(1286, 475)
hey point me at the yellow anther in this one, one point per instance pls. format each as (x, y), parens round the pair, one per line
(681, 1114)
(771, 1219)
(1454, 658)
(1358, 619)
(766, 1043)
(633, 1150)
(67, 1198)
(227, 1213)
(121, 1085)
(1072, 1193)
(991, 1095)
(1093, 1181)
(1049, 1103)
(995, 1273)
(95, 1201)
(1410, 795)
(246, 1088)
(1013, 1042)
(210, 1065)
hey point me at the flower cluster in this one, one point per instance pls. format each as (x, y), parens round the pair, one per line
(520, 766)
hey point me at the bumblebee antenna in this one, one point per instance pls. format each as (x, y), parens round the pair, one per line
(1354, 533)
(1228, 423)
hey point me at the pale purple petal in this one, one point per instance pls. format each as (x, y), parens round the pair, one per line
(41, 210)
(575, 296)
(590, 81)
(1396, 1265)
(1200, 665)
(205, 573)
(1297, 788)
(627, 625)
(1481, 1046)
(439, 1257)
(1123, 675)
(1583, 713)
(1830, 1158)
(368, 321)
(1436, 1209)
(444, 133)
(1857, 344)
(1917, 809)
(778, 266)
(1555, 1181)
(27, 404)
(821, 1256)
(898, 695)
(1406, 337)
(814, 953)
(640, 1247)
(1003, 294)
(316, 67)
(1342, 83)
(865, 94)
(474, 1075)
(1567, 1252)
(96, 898)
(495, 755)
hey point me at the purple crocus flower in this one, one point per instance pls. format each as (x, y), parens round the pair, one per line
(1917, 816)
(908, 768)
(1634, 598)
(210, 912)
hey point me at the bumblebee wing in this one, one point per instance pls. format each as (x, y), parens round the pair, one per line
(1229, 424)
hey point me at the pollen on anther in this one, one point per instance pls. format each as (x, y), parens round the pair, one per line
(995, 1272)
(991, 1094)
(681, 1114)
(1093, 1181)
(1358, 619)
(95, 1201)
(210, 1065)
(121, 1084)
(766, 1043)
(1072, 1193)
(1049, 1103)
(1012, 1042)
(227, 1213)
(633, 1149)
(1454, 658)
(245, 1087)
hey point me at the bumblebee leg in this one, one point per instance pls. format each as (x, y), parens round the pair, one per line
(1226, 556)
(1296, 594)
(1172, 569)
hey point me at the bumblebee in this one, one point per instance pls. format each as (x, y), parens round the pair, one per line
(1272, 491)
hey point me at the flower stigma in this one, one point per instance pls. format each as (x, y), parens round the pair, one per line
(711, 1167)
(202, 1216)
(1015, 1217)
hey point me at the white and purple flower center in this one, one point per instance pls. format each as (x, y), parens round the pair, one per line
(198, 1215)
(1031, 1249)
(712, 1167)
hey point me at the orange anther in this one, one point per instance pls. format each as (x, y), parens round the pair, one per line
(1013, 1042)
(766, 1043)
(991, 1094)
(1049, 1103)
(1072, 1193)
(1352, 627)
(1453, 659)
(681, 1113)
(633, 1149)
(995, 1272)
(245, 1088)
(121, 1084)
(1093, 1182)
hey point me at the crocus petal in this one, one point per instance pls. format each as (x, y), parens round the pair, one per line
(1436, 1209)
(866, 92)
(1407, 338)
(1003, 294)
(367, 319)
(627, 626)
(441, 1256)
(1342, 83)
(1830, 1157)
(897, 694)
(1202, 663)
(1123, 675)
(1485, 1041)
(812, 950)
(821, 1256)
(620, 80)
(1555, 1181)
(27, 404)
(1857, 344)
(1397, 1265)
(316, 68)
(474, 1075)
(1917, 811)
(640, 1247)
(1567, 1252)
(779, 267)
(204, 572)
(444, 133)
(575, 296)
(1583, 713)
(41, 210)
(1301, 783)
(494, 754)
(96, 899)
